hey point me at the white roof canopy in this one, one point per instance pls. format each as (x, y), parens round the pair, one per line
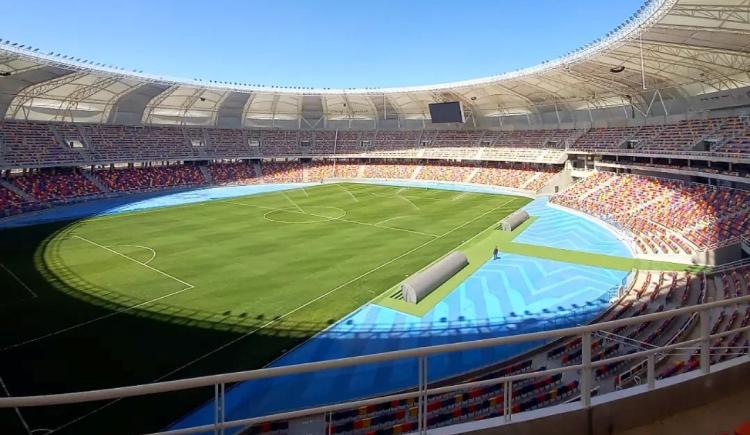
(683, 48)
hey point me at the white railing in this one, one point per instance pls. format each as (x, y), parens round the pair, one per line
(682, 154)
(422, 391)
(729, 266)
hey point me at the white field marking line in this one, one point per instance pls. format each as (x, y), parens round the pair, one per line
(379, 295)
(390, 219)
(270, 322)
(18, 411)
(431, 198)
(389, 228)
(13, 275)
(96, 319)
(187, 284)
(459, 196)
(305, 192)
(347, 191)
(396, 195)
(409, 201)
(289, 210)
(293, 203)
(328, 219)
(153, 251)
(380, 225)
(113, 313)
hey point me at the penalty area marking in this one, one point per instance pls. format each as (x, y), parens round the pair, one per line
(153, 252)
(187, 287)
(134, 260)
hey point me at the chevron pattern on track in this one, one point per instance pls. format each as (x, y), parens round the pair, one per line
(515, 294)
(558, 229)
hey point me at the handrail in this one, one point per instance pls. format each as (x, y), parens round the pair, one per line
(646, 153)
(506, 381)
(435, 391)
(729, 266)
(204, 381)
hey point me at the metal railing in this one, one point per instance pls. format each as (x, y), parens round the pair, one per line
(219, 382)
(680, 154)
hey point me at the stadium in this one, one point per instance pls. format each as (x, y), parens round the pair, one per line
(562, 246)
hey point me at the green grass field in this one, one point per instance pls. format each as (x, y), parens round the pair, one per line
(206, 288)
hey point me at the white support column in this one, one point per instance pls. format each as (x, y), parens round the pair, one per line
(219, 414)
(643, 65)
(223, 405)
(507, 401)
(650, 371)
(705, 328)
(586, 370)
(335, 142)
(216, 408)
(422, 409)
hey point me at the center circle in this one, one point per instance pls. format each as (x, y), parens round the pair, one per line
(309, 214)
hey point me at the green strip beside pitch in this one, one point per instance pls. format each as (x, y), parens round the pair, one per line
(479, 251)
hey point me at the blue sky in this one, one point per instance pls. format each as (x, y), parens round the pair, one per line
(321, 43)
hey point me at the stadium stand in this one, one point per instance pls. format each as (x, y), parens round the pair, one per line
(645, 128)
(151, 178)
(282, 172)
(390, 170)
(231, 143)
(321, 170)
(29, 144)
(56, 186)
(233, 173)
(455, 172)
(652, 292)
(11, 203)
(666, 216)
(66, 185)
(517, 177)
(605, 138)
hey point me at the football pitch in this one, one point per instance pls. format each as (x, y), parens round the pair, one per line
(209, 287)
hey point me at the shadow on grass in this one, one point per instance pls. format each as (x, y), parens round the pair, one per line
(139, 345)
(122, 348)
(142, 345)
